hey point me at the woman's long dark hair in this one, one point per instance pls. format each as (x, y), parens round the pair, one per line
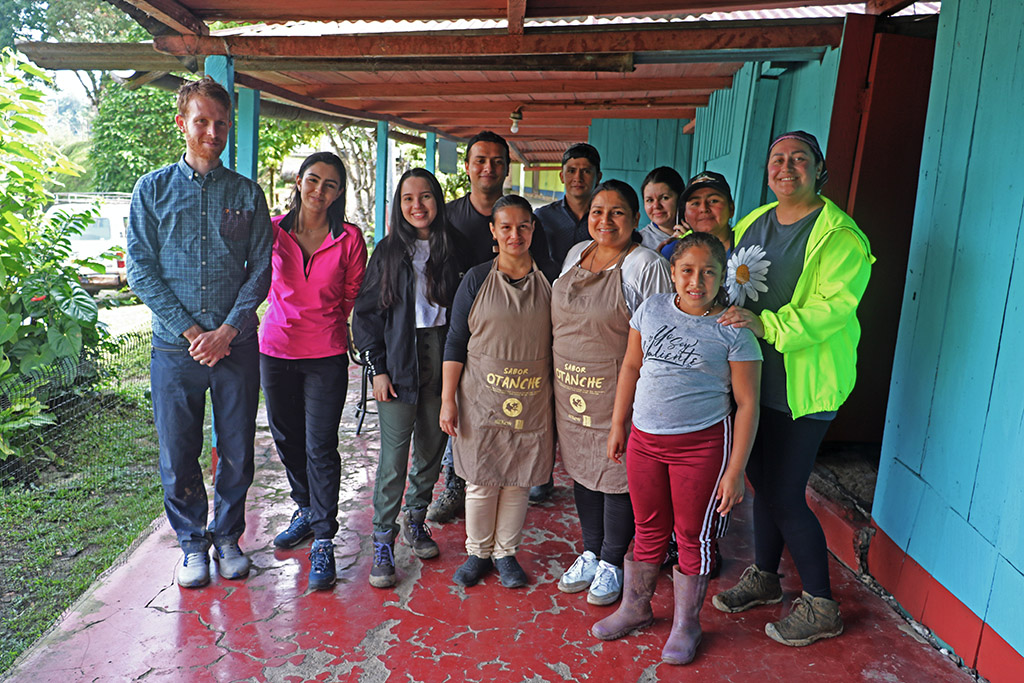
(336, 211)
(441, 270)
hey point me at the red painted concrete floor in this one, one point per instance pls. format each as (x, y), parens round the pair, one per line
(136, 624)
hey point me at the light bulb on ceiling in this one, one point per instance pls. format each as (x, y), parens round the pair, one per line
(516, 116)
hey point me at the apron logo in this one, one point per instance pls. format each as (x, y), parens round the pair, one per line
(577, 403)
(512, 407)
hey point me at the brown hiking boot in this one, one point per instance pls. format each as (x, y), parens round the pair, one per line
(755, 588)
(809, 620)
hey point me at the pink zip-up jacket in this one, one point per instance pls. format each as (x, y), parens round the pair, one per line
(310, 303)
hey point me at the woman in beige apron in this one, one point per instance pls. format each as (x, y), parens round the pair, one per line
(603, 281)
(496, 394)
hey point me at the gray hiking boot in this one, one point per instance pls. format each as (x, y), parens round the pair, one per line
(809, 620)
(417, 535)
(452, 500)
(755, 588)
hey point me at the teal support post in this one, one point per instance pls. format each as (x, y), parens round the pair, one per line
(222, 69)
(432, 152)
(380, 208)
(248, 132)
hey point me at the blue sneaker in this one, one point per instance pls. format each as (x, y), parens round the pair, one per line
(297, 532)
(322, 574)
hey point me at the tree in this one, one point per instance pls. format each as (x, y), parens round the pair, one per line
(358, 149)
(133, 133)
(89, 21)
(277, 140)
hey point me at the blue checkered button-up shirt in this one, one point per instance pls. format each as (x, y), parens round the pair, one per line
(199, 250)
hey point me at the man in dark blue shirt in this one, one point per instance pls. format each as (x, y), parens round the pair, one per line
(565, 220)
(199, 244)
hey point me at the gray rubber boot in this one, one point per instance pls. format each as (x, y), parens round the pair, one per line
(638, 581)
(688, 595)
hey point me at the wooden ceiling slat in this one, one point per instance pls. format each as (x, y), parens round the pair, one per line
(513, 87)
(743, 35)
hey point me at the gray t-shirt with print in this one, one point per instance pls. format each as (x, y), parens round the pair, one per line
(774, 256)
(685, 381)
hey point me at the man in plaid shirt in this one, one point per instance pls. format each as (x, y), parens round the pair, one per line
(199, 244)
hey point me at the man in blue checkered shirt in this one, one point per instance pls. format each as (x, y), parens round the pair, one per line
(199, 244)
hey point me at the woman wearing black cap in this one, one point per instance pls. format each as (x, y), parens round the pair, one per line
(707, 206)
(796, 276)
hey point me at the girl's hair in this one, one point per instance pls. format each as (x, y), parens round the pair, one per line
(511, 200)
(441, 270)
(336, 211)
(667, 175)
(626, 191)
(717, 249)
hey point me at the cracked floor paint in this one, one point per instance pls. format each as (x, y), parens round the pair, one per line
(135, 624)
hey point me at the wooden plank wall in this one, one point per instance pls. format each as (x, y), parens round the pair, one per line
(733, 131)
(631, 148)
(951, 482)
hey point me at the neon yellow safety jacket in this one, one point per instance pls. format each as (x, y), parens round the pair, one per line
(817, 331)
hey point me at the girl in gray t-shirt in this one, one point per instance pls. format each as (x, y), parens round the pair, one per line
(685, 453)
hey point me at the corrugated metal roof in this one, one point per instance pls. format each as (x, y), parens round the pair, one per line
(312, 28)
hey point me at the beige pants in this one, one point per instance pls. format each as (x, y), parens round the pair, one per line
(494, 519)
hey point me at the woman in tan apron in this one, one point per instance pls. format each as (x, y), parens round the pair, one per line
(496, 394)
(603, 281)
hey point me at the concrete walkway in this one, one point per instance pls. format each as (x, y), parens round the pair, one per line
(136, 624)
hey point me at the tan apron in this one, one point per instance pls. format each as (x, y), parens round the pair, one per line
(506, 428)
(590, 324)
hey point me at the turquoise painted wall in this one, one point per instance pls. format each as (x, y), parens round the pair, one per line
(631, 148)
(951, 482)
(733, 131)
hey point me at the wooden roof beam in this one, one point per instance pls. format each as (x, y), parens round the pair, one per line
(142, 56)
(732, 35)
(571, 118)
(573, 86)
(528, 107)
(885, 7)
(172, 14)
(516, 16)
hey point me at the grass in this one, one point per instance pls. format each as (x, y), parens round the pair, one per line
(97, 490)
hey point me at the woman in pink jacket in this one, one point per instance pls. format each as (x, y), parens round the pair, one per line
(318, 265)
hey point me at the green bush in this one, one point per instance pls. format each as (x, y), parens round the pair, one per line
(45, 314)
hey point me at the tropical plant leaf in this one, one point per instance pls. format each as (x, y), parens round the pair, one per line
(79, 305)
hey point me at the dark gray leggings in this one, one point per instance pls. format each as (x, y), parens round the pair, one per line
(780, 465)
(607, 522)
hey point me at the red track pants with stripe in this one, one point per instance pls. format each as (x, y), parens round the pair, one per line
(673, 480)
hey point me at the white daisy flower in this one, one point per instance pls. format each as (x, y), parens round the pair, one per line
(748, 270)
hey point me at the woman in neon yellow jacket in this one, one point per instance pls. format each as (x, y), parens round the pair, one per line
(796, 276)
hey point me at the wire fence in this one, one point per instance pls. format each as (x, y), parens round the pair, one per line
(78, 481)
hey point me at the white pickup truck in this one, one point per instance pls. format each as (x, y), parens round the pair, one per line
(103, 240)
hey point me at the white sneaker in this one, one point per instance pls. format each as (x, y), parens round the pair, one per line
(194, 571)
(607, 585)
(578, 577)
(231, 563)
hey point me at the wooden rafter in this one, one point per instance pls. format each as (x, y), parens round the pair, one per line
(885, 7)
(574, 86)
(516, 16)
(528, 107)
(174, 15)
(744, 35)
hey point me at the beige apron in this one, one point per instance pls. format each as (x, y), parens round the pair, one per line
(590, 324)
(506, 431)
